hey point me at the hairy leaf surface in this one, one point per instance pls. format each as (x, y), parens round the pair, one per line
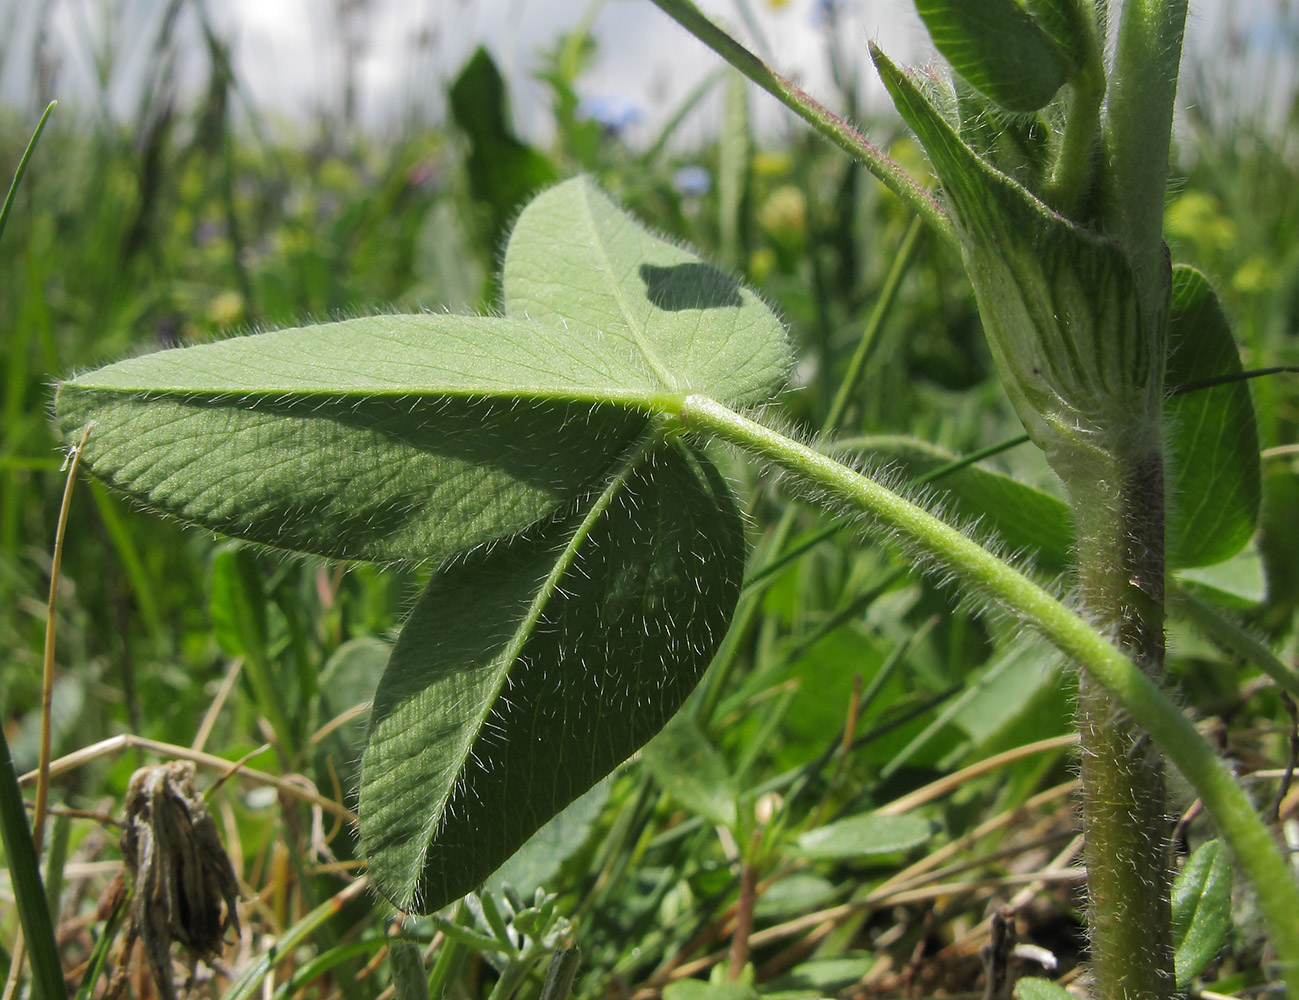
(524, 676)
(1081, 363)
(1069, 24)
(394, 437)
(592, 562)
(999, 48)
(422, 437)
(575, 259)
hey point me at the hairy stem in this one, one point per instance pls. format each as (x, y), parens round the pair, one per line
(1136, 135)
(1120, 518)
(1119, 514)
(1105, 664)
(1072, 173)
(774, 553)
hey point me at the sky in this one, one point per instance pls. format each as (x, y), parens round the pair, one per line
(644, 58)
(291, 54)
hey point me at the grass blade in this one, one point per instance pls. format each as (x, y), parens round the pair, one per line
(34, 914)
(22, 167)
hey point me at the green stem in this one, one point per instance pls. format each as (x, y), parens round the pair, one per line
(1136, 135)
(775, 553)
(1103, 662)
(512, 976)
(1119, 516)
(1074, 169)
(1119, 521)
(821, 118)
(561, 972)
(1071, 176)
(407, 961)
(257, 669)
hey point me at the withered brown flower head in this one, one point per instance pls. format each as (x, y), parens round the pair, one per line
(185, 887)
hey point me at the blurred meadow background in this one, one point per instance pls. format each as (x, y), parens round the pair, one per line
(230, 167)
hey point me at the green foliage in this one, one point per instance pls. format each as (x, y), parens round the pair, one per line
(999, 48)
(423, 450)
(1032, 988)
(1213, 440)
(1027, 519)
(1201, 909)
(1070, 25)
(691, 770)
(480, 733)
(1059, 303)
(849, 680)
(25, 877)
(347, 680)
(717, 988)
(20, 850)
(239, 602)
(577, 263)
(618, 566)
(861, 837)
(502, 171)
(319, 455)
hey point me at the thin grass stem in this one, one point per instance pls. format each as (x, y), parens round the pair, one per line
(51, 629)
(826, 122)
(124, 741)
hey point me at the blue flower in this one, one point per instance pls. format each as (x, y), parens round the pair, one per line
(613, 114)
(692, 181)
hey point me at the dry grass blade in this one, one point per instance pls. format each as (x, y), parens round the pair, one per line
(114, 744)
(951, 782)
(47, 673)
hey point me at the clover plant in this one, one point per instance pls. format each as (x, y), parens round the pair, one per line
(553, 461)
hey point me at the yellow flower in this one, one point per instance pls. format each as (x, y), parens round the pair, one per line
(226, 309)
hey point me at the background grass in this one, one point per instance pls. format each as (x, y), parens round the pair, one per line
(851, 685)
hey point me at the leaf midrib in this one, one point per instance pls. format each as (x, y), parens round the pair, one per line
(524, 630)
(638, 332)
(656, 402)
